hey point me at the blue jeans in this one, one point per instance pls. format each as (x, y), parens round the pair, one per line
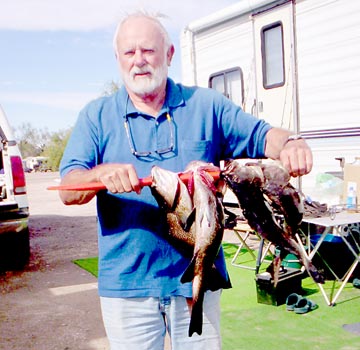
(141, 323)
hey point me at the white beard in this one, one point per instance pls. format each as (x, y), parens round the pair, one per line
(147, 84)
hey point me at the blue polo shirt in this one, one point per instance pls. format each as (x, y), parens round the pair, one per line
(135, 259)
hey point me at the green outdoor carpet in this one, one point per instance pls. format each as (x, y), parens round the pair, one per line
(249, 325)
(89, 264)
(353, 328)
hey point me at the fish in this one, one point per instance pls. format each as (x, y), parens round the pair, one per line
(194, 213)
(284, 197)
(174, 200)
(262, 192)
(209, 229)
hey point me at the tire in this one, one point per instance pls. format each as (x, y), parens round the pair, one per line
(14, 250)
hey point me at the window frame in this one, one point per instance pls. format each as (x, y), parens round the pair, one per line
(224, 74)
(263, 56)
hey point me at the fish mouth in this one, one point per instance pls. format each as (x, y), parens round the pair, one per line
(160, 177)
(165, 183)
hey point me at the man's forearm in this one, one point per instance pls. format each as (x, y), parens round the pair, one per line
(75, 177)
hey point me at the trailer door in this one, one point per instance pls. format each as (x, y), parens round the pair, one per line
(275, 66)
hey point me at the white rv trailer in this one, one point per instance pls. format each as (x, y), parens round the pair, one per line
(293, 63)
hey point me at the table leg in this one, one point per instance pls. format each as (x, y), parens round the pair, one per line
(348, 275)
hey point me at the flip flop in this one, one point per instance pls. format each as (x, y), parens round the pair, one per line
(304, 305)
(292, 300)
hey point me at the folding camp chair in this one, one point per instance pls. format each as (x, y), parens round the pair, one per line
(244, 233)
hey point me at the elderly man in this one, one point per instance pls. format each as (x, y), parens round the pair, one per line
(116, 140)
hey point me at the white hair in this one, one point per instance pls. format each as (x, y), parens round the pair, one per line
(143, 14)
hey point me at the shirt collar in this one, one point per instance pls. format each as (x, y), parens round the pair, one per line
(174, 96)
(174, 99)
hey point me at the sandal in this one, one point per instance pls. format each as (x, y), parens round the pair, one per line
(356, 282)
(291, 301)
(304, 305)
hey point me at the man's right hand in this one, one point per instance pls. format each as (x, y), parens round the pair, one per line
(117, 178)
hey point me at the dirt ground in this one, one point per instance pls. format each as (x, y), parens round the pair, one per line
(52, 303)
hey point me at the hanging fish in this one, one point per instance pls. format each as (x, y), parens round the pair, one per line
(209, 229)
(194, 213)
(264, 191)
(174, 198)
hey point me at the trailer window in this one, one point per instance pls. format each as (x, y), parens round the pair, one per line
(217, 82)
(272, 49)
(230, 83)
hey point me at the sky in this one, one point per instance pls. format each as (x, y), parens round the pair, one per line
(57, 55)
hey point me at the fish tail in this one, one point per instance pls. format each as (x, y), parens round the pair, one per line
(316, 275)
(196, 320)
(188, 274)
(274, 269)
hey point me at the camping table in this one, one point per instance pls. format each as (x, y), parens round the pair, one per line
(334, 223)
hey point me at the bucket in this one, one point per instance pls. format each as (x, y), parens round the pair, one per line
(328, 238)
(290, 260)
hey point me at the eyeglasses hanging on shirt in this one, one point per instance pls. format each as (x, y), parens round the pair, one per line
(132, 145)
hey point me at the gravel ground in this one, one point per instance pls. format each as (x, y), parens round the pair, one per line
(52, 303)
